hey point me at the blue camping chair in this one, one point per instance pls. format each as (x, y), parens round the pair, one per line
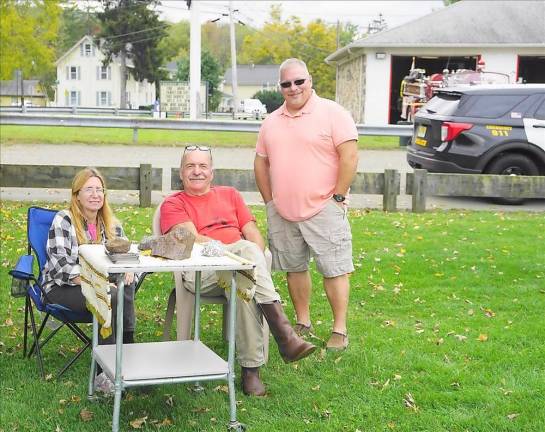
(38, 223)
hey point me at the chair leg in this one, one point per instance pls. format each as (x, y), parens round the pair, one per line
(25, 334)
(169, 315)
(36, 344)
(71, 362)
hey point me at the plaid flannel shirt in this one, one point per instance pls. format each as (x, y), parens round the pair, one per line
(62, 264)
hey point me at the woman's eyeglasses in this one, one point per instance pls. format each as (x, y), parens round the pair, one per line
(89, 190)
(297, 82)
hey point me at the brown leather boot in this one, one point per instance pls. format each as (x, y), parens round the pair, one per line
(291, 346)
(251, 384)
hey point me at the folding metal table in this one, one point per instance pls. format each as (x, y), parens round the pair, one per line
(141, 364)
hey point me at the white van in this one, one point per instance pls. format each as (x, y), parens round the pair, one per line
(251, 108)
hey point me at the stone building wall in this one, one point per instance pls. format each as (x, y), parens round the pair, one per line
(351, 87)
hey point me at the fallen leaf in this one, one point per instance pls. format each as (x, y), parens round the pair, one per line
(512, 416)
(222, 388)
(137, 423)
(482, 337)
(410, 403)
(86, 415)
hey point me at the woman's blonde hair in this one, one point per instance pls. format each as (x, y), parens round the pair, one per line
(105, 216)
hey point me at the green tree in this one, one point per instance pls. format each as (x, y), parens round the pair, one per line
(74, 24)
(28, 35)
(175, 44)
(279, 40)
(210, 72)
(132, 31)
(272, 99)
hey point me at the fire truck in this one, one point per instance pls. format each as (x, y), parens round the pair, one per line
(417, 87)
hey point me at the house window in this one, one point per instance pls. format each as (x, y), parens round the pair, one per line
(104, 98)
(74, 98)
(104, 72)
(87, 50)
(73, 72)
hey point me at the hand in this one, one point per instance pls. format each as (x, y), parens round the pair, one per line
(129, 278)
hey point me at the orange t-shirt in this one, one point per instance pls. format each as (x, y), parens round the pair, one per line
(220, 214)
(302, 153)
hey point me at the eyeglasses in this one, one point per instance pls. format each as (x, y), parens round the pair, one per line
(89, 190)
(297, 82)
(196, 147)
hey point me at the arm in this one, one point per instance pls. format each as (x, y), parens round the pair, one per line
(251, 233)
(190, 226)
(348, 164)
(262, 177)
(62, 252)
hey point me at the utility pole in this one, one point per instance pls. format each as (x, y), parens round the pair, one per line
(234, 83)
(194, 62)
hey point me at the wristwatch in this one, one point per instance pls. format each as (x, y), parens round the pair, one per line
(339, 198)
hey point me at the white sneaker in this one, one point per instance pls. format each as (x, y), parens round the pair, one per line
(104, 384)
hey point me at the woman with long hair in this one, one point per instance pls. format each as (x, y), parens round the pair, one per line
(89, 219)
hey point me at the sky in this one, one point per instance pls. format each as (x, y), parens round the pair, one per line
(255, 13)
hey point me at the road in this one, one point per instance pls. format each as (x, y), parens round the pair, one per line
(241, 158)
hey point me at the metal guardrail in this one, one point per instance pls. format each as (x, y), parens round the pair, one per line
(75, 110)
(29, 119)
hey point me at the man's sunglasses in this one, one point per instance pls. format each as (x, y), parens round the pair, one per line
(297, 82)
(196, 147)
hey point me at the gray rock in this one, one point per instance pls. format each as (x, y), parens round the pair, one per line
(176, 244)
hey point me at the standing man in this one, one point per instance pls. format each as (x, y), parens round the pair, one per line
(219, 213)
(306, 159)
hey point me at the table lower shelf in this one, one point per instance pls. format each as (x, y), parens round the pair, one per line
(167, 361)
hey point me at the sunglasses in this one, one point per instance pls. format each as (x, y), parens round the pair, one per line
(196, 147)
(297, 82)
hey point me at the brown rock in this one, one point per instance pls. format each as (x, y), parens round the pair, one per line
(176, 244)
(117, 245)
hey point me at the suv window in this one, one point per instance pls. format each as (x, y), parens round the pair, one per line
(443, 104)
(489, 106)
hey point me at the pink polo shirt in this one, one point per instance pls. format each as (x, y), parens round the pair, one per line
(302, 152)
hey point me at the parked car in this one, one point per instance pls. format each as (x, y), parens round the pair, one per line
(482, 129)
(251, 108)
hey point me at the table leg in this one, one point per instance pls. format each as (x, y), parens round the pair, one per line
(92, 372)
(118, 352)
(231, 354)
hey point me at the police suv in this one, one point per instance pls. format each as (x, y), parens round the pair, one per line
(481, 129)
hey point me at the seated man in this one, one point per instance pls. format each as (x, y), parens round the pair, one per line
(219, 213)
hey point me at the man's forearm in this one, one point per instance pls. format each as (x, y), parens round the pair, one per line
(348, 165)
(262, 177)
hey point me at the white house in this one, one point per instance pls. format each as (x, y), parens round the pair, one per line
(82, 80)
(508, 35)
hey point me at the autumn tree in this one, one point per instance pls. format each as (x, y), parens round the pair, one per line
(281, 39)
(28, 34)
(131, 30)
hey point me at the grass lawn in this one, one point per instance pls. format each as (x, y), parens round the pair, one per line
(446, 334)
(151, 137)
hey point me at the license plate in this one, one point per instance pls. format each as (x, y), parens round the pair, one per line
(421, 131)
(421, 142)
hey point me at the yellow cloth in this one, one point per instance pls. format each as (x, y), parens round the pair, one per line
(95, 288)
(245, 280)
(242, 251)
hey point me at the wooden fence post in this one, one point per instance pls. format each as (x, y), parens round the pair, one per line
(389, 196)
(420, 186)
(145, 185)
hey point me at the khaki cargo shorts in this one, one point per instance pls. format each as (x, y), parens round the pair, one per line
(325, 236)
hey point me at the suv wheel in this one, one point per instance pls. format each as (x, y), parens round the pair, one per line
(512, 164)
